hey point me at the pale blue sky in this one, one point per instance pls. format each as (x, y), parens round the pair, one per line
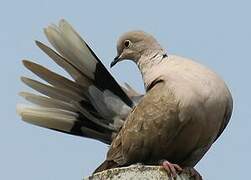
(215, 33)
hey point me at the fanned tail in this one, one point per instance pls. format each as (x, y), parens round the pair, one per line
(92, 105)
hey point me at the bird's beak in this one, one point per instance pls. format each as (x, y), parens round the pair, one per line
(115, 61)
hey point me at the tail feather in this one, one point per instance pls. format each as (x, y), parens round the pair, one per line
(97, 100)
(116, 105)
(67, 49)
(77, 46)
(48, 117)
(79, 77)
(99, 121)
(47, 102)
(107, 103)
(50, 91)
(63, 121)
(91, 105)
(53, 78)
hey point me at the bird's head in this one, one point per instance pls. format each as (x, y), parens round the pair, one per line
(132, 45)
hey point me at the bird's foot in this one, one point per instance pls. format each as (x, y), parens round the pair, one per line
(172, 169)
(192, 173)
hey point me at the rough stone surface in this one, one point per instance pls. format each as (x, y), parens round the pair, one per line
(136, 172)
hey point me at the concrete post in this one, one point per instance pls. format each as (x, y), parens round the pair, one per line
(136, 172)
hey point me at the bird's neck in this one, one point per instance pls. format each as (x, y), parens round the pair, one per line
(148, 62)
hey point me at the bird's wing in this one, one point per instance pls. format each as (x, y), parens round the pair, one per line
(91, 105)
(150, 130)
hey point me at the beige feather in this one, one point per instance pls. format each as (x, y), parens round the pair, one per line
(60, 94)
(47, 102)
(77, 75)
(53, 78)
(55, 37)
(45, 117)
(77, 46)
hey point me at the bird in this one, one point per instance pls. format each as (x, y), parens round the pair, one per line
(185, 107)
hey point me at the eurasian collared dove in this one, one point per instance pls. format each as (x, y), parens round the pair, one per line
(185, 109)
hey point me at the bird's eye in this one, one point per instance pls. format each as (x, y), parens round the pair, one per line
(127, 43)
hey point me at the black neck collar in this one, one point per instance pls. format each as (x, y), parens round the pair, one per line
(164, 55)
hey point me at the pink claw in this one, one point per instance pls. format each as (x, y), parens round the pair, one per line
(171, 168)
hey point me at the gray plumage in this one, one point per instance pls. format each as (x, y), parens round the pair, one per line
(185, 109)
